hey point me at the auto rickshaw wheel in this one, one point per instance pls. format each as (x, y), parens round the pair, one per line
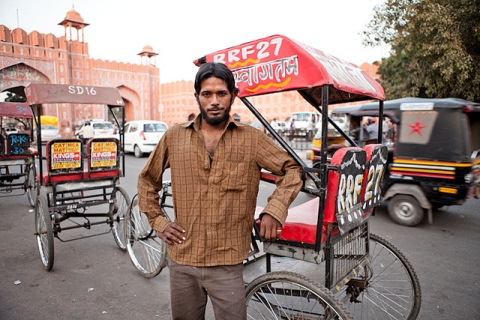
(405, 210)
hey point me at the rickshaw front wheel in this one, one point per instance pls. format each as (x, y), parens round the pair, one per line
(120, 208)
(44, 232)
(405, 210)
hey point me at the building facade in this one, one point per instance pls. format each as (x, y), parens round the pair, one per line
(46, 58)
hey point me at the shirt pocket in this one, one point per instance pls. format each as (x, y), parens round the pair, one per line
(235, 176)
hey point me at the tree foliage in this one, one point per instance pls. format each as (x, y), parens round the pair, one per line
(435, 47)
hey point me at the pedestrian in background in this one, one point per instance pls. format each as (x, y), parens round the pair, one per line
(371, 130)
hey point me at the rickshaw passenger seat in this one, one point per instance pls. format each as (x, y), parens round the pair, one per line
(301, 223)
(64, 161)
(103, 159)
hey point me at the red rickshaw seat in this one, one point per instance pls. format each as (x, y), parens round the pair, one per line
(301, 223)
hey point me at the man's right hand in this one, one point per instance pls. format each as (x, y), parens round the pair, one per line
(173, 233)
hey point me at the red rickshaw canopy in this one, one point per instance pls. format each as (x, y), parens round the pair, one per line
(15, 110)
(277, 63)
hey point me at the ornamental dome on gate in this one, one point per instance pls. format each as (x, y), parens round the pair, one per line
(74, 19)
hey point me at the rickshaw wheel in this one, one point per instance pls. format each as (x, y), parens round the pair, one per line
(32, 186)
(405, 210)
(120, 209)
(44, 232)
(287, 295)
(392, 288)
(147, 251)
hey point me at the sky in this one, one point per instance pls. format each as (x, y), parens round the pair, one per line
(181, 31)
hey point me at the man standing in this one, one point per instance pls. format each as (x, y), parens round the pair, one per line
(215, 164)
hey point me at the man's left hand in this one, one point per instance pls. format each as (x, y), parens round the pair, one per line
(270, 228)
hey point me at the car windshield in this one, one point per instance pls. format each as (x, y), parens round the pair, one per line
(102, 126)
(154, 127)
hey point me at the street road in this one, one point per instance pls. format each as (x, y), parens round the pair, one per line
(93, 279)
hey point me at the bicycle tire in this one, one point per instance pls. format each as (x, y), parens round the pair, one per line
(147, 251)
(288, 295)
(32, 187)
(120, 209)
(44, 232)
(393, 290)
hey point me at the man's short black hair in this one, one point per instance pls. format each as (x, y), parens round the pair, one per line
(217, 70)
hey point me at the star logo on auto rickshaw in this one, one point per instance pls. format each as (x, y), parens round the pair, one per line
(417, 127)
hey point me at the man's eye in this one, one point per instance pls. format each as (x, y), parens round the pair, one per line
(222, 94)
(206, 94)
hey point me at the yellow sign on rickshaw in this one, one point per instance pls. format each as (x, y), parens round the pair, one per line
(66, 155)
(103, 154)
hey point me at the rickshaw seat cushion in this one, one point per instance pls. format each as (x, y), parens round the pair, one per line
(301, 223)
(63, 177)
(74, 176)
(104, 174)
(11, 156)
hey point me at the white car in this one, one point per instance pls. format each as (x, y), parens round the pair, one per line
(142, 136)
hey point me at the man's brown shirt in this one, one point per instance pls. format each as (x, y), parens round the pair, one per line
(215, 200)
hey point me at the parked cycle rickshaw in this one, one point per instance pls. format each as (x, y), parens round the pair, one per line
(78, 185)
(17, 169)
(327, 237)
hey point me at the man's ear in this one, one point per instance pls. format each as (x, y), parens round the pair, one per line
(234, 95)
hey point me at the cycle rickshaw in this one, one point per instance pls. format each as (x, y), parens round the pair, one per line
(77, 185)
(364, 276)
(17, 170)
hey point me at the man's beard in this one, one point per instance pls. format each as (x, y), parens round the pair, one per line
(213, 121)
